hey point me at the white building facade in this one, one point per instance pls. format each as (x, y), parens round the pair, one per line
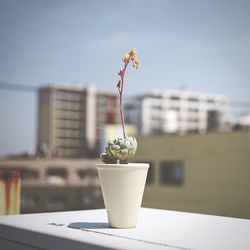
(177, 111)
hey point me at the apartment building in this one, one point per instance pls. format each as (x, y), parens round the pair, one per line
(174, 111)
(56, 184)
(71, 118)
(206, 174)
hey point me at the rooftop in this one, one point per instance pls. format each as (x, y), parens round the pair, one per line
(157, 229)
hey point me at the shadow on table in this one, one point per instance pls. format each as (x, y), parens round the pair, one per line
(88, 225)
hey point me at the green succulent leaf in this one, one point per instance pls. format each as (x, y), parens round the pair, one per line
(106, 159)
(109, 153)
(122, 154)
(119, 149)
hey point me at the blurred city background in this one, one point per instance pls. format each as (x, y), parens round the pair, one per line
(188, 105)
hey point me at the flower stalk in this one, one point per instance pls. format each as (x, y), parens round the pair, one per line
(120, 149)
(120, 85)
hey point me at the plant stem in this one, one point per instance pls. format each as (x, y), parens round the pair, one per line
(121, 105)
(122, 118)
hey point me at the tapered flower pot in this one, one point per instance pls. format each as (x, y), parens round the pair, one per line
(122, 188)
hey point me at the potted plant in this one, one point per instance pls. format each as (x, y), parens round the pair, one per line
(122, 183)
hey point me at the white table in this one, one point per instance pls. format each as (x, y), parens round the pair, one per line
(157, 229)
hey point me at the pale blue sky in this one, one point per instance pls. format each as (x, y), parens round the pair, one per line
(204, 45)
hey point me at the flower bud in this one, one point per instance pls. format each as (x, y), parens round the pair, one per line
(133, 52)
(126, 58)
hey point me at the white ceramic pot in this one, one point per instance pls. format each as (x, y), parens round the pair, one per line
(122, 188)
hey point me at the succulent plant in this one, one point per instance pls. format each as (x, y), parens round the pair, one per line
(119, 150)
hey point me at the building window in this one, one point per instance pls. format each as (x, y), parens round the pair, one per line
(172, 173)
(156, 107)
(57, 176)
(28, 173)
(194, 110)
(30, 201)
(210, 100)
(57, 201)
(213, 120)
(62, 172)
(92, 172)
(82, 173)
(193, 99)
(173, 97)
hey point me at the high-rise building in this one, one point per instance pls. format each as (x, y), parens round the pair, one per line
(70, 119)
(175, 111)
